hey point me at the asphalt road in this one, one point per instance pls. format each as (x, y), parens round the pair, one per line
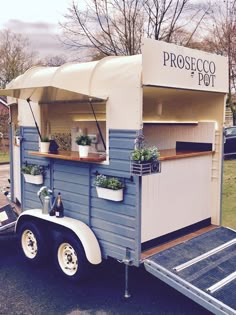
(25, 290)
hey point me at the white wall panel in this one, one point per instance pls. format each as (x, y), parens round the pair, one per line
(177, 197)
(165, 136)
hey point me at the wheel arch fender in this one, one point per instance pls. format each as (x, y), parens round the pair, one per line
(81, 230)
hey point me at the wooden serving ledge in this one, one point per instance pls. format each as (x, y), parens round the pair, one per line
(72, 156)
(171, 154)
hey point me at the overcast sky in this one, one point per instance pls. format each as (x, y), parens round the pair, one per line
(38, 20)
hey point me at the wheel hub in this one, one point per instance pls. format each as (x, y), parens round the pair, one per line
(67, 259)
(29, 244)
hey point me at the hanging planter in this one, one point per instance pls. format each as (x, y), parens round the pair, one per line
(34, 179)
(145, 161)
(110, 188)
(33, 173)
(140, 169)
(109, 194)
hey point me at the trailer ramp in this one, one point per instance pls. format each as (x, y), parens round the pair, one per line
(202, 268)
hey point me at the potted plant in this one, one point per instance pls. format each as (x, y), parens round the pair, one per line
(145, 161)
(33, 173)
(84, 143)
(17, 136)
(44, 145)
(110, 188)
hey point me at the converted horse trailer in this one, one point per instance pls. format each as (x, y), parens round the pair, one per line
(169, 97)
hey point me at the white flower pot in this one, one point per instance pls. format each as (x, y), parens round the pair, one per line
(33, 179)
(44, 147)
(83, 150)
(17, 140)
(109, 194)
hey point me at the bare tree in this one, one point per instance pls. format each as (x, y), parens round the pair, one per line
(221, 39)
(169, 19)
(106, 27)
(115, 27)
(15, 56)
(53, 61)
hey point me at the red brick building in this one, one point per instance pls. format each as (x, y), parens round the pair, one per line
(4, 112)
(3, 106)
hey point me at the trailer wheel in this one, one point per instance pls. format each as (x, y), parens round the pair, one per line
(33, 243)
(70, 258)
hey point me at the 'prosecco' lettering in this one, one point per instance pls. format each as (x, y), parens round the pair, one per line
(205, 69)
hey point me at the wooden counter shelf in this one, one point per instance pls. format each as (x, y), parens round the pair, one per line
(72, 156)
(172, 154)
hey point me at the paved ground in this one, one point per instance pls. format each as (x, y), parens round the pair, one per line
(4, 175)
(40, 290)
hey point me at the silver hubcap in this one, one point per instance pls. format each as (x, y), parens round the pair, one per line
(29, 244)
(67, 259)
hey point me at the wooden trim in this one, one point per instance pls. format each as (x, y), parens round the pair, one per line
(71, 156)
(173, 154)
(177, 241)
(171, 122)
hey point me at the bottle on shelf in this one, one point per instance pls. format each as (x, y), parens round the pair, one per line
(59, 209)
(53, 207)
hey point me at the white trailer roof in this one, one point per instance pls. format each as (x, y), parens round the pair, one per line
(76, 81)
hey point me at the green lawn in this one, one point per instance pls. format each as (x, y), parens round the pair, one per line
(229, 194)
(4, 157)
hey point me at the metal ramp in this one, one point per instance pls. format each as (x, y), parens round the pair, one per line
(202, 268)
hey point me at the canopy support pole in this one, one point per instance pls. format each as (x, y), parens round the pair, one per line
(99, 129)
(37, 127)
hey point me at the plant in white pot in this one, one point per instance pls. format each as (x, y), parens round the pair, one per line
(84, 143)
(44, 145)
(17, 136)
(33, 173)
(110, 188)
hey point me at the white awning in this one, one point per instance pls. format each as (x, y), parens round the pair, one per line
(47, 94)
(75, 81)
(49, 84)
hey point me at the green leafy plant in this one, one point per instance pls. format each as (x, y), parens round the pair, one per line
(32, 169)
(17, 132)
(44, 191)
(108, 182)
(45, 139)
(149, 154)
(83, 140)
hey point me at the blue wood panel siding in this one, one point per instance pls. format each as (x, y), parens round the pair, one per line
(29, 191)
(72, 179)
(115, 224)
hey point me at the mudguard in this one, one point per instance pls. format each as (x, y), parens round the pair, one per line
(83, 232)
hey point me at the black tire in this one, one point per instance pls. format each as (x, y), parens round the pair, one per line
(33, 243)
(70, 258)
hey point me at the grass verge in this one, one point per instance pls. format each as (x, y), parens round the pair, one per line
(229, 194)
(4, 157)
